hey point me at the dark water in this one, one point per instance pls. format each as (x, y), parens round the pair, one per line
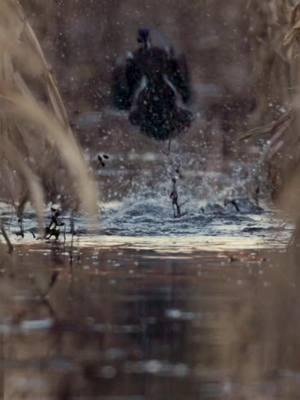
(124, 323)
(142, 305)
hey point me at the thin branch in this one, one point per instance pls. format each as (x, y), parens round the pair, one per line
(6, 238)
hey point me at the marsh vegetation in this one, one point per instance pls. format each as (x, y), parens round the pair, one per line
(131, 268)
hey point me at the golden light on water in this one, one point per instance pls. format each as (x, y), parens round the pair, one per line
(180, 244)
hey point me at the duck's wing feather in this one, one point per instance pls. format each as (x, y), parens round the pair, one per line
(178, 74)
(126, 78)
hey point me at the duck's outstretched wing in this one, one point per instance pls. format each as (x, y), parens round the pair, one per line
(126, 78)
(178, 73)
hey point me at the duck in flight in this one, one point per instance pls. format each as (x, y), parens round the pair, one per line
(153, 86)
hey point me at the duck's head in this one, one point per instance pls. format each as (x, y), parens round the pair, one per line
(143, 37)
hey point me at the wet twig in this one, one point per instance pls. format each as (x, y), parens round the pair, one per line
(174, 198)
(6, 238)
(73, 233)
(21, 232)
(232, 202)
(54, 227)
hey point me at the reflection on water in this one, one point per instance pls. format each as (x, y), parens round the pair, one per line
(145, 306)
(135, 324)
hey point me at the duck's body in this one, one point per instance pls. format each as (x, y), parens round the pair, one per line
(153, 86)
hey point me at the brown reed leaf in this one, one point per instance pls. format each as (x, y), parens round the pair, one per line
(280, 125)
(34, 128)
(13, 156)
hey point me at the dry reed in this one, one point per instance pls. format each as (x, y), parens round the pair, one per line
(40, 157)
(274, 37)
(260, 341)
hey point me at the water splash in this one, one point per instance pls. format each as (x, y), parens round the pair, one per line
(217, 211)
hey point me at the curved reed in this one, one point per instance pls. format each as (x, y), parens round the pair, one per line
(39, 155)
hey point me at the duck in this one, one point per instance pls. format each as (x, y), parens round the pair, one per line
(153, 86)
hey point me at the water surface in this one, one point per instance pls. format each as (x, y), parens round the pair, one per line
(142, 305)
